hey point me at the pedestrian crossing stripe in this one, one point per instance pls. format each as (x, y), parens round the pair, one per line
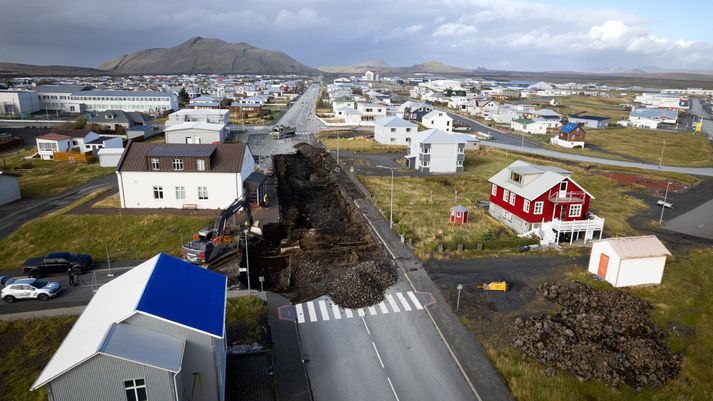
(324, 309)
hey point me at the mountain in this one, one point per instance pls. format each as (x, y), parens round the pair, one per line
(17, 70)
(204, 55)
(432, 67)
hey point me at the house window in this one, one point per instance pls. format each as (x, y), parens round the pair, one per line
(200, 165)
(180, 192)
(178, 164)
(157, 192)
(506, 195)
(538, 207)
(512, 199)
(154, 164)
(575, 210)
(515, 177)
(425, 163)
(408, 129)
(202, 193)
(526, 206)
(494, 190)
(563, 186)
(461, 149)
(459, 163)
(393, 129)
(426, 150)
(135, 390)
(393, 139)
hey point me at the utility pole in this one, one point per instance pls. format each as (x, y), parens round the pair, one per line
(459, 287)
(108, 262)
(247, 258)
(662, 148)
(663, 205)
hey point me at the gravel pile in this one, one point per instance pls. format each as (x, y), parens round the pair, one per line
(599, 335)
(363, 284)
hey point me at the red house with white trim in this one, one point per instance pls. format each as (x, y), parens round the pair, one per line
(542, 200)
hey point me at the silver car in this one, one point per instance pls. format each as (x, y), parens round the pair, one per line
(29, 288)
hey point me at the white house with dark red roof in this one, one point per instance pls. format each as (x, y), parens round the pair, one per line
(51, 143)
(543, 200)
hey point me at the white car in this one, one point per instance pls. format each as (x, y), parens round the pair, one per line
(31, 288)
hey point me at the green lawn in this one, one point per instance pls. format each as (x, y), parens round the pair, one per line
(426, 221)
(684, 300)
(127, 237)
(44, 178)
(361, 145)
(243, 319)
(25, 347)
(593, 105)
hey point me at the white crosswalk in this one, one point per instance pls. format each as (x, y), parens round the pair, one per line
(325, 309)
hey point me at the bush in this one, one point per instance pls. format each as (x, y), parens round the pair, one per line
(26, 165)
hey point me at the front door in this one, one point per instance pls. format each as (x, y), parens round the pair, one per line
(563, 189)
(603, 263)
(563, 209)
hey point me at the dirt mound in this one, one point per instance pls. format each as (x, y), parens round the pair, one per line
(600, 335)
(363, 284)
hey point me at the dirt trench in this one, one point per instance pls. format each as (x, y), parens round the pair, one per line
(322, 245)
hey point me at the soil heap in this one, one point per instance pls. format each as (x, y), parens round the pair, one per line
(600, 335)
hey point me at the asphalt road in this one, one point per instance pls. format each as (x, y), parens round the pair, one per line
(498, 136)
(302, 113)
(699, 111)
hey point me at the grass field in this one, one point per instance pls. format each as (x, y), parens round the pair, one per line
(110, 202)
(127, 237)
(361, 145)
(592, 105)
(243, 319)
(25, 347)
(426, 221)
(684, 301)
(44, 178)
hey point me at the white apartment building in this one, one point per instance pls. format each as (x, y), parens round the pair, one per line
(436, 151)
(212, 116)
(394, 131)
(439, 120)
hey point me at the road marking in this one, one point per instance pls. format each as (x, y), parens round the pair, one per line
(378, 356)
(312, 312)
(393, 390)
(414, 300)
(300, 313)
(403, 301)
(335, 311)
(349, 312)
(372, 311)
(392, 302)
(361, 312)
(383, 307)
(323, 309)
(367, 327)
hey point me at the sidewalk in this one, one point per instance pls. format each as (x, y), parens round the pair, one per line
(470, 355)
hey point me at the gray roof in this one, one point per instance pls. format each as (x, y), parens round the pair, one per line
(117, 92)
(60, 88)
(645, 246)
(548, 178)
(144, 346)
(185, 150)
(438, 136)
(100, 140)
(459, 208)
(117, 117)
(393, 121)
(654, 113)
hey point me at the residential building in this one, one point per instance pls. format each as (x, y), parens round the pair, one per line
(212, 116)
(542, 200)
(145, 335)
(629, 261)
(204, 103)
(596, 122)
(240, 111)
(109, 157)
(368, 76)
(51, 143)
(9, 187)
(436, 151)
(371, 111)
(571, 135)
(111, 119)
(529, 126)
(394, 131)
(196, 132)
(18, 103)
(413, 111)
(662, 101)
(77, 140)
(651, 118)
(439, 120)
(207, 176)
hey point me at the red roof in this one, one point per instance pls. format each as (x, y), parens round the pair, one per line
(54, 137)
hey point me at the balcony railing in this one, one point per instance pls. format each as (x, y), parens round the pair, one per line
(593, 223)
(567, 197)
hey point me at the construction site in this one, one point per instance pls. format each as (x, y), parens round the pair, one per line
(321, 244)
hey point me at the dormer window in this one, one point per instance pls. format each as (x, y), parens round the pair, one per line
(515, 177)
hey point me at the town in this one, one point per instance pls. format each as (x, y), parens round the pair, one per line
(263, 230)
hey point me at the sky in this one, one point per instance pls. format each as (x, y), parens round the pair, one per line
(538, 35)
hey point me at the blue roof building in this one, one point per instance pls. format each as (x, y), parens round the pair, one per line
(148, 331)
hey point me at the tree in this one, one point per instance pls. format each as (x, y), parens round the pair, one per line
(79, 123)
(226, 102)
(183, 97)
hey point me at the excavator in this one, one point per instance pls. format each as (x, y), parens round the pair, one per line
(209, 243)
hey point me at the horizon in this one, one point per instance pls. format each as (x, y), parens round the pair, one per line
(513, 35)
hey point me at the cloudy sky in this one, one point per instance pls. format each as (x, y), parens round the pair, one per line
(597, 35)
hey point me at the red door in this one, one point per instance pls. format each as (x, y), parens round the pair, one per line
(603, 263)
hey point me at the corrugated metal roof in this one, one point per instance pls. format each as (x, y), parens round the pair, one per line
(393, 121)
(118, 92)
(585, 117)
(185, 150)
(438, 136)
(227, 158)
(54, 137)
(60, 88)
(202, 125)
(158, 287)
(144, 346)
(548, 178)
(569, 127)
(654, 113)
(645, 246)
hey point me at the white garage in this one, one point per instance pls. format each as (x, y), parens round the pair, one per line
(629, 261)
(9, 187)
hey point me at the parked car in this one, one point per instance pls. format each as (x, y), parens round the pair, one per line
(57, 262)
(29, 288)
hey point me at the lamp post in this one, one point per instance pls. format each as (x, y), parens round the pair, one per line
(391, 209)
(247, 257)
(663, 205)
(662, 148)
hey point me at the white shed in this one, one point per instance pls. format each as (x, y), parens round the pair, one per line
(109, 157)
(629, 261)
(9, 187)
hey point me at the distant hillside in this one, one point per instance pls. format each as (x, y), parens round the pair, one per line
(432, 67)
(17, 70)
(199, 55)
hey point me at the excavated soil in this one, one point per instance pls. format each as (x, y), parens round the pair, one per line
(597, 335)
(322, 245)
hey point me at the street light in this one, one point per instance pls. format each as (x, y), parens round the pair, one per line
(247, 257)
(391, 209)
(663, 205)
(662, 148)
